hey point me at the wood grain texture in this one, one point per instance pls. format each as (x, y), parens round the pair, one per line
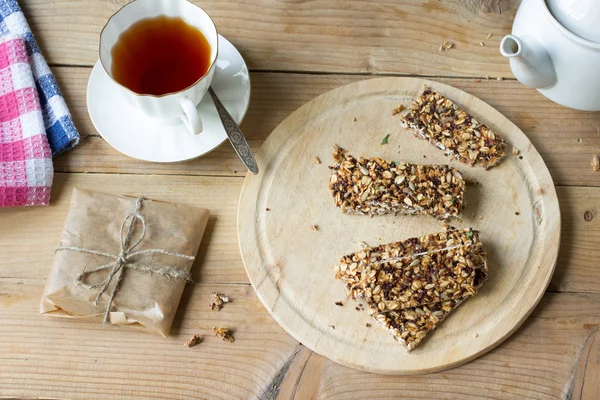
(565, 138)
(530, 365)
(514, 206)
(327, 35)
(580, 211)
(218, 258)
(78, 360)
(586, 382)
(576, 270)
(553, 354)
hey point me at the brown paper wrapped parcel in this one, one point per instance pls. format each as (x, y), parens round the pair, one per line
(124, 260)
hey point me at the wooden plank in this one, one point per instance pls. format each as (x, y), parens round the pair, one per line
(219, 259)
(28, 246)
(530, 365)
(577, 268)
(327, 35)
(565, 138)
(43, 357)
(51, 357)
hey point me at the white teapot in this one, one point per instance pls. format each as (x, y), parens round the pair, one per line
(555, 48)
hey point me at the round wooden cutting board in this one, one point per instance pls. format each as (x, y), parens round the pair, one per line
(290, 265)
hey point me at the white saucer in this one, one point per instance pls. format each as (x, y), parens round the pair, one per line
(134, 134)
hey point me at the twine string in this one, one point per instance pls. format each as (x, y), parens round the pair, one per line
(122, 260)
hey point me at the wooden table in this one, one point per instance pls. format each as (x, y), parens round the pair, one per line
(296, 50)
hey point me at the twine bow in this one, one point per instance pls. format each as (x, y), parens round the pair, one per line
(122, 260)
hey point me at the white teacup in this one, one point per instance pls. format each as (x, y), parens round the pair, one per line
(170, 108)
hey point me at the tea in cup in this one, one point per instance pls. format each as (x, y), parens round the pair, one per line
(161, 54)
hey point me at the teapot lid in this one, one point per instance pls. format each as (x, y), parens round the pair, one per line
(580, 17)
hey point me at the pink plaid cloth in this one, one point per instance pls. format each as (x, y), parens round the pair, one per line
(25, 158)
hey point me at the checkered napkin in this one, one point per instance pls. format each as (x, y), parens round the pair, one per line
(35, 124)
(25, 158)
(60, 130)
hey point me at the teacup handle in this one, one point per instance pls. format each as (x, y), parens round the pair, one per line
(191, 117)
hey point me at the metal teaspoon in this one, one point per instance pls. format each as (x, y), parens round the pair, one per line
(236, 137)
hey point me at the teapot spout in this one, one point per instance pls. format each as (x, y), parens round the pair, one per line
(529, 60)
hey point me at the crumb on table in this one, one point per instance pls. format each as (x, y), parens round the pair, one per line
(224, 333)
(194, 340)
(446, 46)
(217, 301)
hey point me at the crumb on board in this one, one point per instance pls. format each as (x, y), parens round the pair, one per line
(268, 209)
(489, 35)
(477, 80)
(224, 333)
(313, 227)
(515, 151)
(481, 44)
(499, 78)
(317, 160)
(520, 157)
(332, 326)
(368, 325)
(446, 46)
(398, 109)
(363, 244)
(595, 163)
(353, 119)
(385, 139)
(476, 335)
(194, 340)
(481, 217)
(487, 77)
(517, 213)
(579, 140)
(339, 303)
(217, 301)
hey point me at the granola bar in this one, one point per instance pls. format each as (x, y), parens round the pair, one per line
(411, 286)
(454, 273)
(441, 269)
(438, 120)
(375, 186)
(411, 325)
(351, 265)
